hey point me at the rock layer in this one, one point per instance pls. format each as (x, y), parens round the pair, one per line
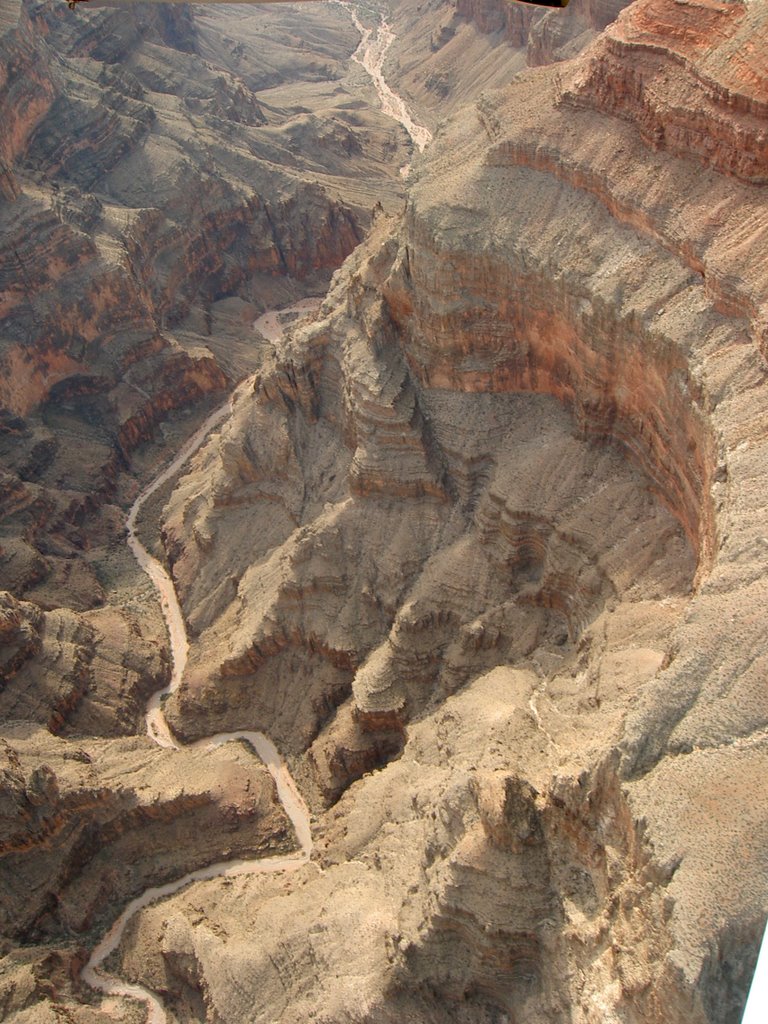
(160, 184)
(84, 840)
(141, 184)
(481, 547)
(716, 106)
(475, 45)
(435, 515)
(440, 533)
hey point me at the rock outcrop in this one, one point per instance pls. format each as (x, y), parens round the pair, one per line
(160, 184)
(75, 672)
(716, 108)
(526, 429)
(84, 840)
(481, 547)
(475, 45)
(86, 825)
(443, 532)
(141, 185)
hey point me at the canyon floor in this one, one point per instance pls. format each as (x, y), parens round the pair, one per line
(479, 542)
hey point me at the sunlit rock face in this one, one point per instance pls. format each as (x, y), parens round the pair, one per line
(161, 182)
(446, 54)
(482, 547)
(546, 36)
(414, 530)
(82, 837)
(158, 187)
(715, 110)
(498, 510)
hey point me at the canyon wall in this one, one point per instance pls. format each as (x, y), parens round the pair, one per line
(161, 183)
(480, 546)
(141, 185)
(498, 512)
(446, 53)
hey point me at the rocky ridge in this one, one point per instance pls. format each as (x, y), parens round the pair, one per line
(141, 184)
(565, 289)
(476, 45)
(152, 201)
(82, 821)
(492, 524)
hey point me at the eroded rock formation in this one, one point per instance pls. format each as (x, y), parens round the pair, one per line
(476, 45)
(89, 824)
(160, 184)
(482, 548)
(525, 430)
(141, 184)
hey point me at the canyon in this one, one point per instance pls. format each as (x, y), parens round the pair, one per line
(479, 542)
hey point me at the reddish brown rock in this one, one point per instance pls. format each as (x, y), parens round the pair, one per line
(712, 106)
(483, 549)
(553, 259)
(85, 841)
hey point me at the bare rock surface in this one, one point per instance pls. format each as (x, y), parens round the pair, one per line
(456, 532)
(88, 825)
(476, 45)
(85, 825)
(498, 511)
(481, 547)
(64, 669)
(161, 179)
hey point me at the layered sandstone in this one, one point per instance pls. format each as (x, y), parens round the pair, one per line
(475, 45)
(481, 546)
(160, 184)
(545, 36)
(424, 551)
(84, 838)
(86, 825)
(142, 183)
(75, 672)
(715, 107)
(525, 430)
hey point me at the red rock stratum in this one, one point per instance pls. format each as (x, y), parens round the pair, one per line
(483, 547)
(509, 502)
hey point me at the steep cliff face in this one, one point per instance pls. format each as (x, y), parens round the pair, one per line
(473, 538)
(78, 671)
(146, 192)
(481, 546)
(508, 500)
(716, 106)
(546, 36)
(86, 825)
(142, 184)
(82, 838)
(589, 211)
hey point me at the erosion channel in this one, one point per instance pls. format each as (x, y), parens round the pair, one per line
(479, 545)
(370, 55)
(157, 729)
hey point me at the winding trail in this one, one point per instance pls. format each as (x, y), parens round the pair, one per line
(370, 55)
(159, 731)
